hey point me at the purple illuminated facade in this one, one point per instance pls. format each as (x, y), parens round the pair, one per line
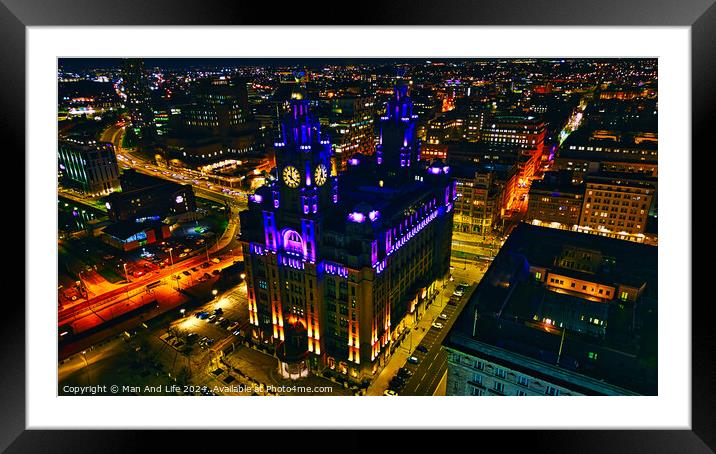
(354, 257)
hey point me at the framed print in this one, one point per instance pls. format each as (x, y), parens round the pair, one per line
(422, 217)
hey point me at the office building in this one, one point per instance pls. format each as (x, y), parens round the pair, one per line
(88, 165)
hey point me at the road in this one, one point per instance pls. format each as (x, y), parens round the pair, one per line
(433, 364)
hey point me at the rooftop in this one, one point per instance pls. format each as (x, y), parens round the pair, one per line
(504, 317)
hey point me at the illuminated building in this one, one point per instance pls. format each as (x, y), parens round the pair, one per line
(587, 151)
(559, 313)
(217, 126)
(138, 102)
(144, 197)
(555, 201)
(445, 128)
(514, 132)
(477, 205)
(352, 258)
(428, 152)
(617, 205)
(350, 126)
(88, 165)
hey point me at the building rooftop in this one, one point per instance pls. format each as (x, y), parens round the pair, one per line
(504, 319)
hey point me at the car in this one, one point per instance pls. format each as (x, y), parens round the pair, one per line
(187, 250)
(458, 292)
(202, 315)
(443, 316)
(453, 301)
(405, 372)
(232, 326)
(186, 273)
(195, 269)
(192, 337)
(216, 272)
(413, 360)
(205, 265)
(182, 255)
(422, 348)
(210, 341)
(218, 310)
(389, 392)
(207, 276)
(216, 260)
(212, 319)
(437, 325)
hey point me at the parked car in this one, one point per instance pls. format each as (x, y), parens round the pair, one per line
(212, 319)
(437, 325)
(232, 326)
(422, 348)
(443, 316)
(389, 392)
(413, 360)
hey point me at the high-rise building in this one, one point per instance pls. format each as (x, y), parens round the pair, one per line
(337, 265)
(351, 125)
(559, 313)
(138, 101)
(217, 128)
(88, 165)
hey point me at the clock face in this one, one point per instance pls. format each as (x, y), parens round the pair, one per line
(291, 177)
(320, 175)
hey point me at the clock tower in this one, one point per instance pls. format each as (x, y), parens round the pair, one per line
(304, 183)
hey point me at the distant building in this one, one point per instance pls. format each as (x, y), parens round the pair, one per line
(587, 151)
(88, 165)
(351, 125)
(617, 205)
(555, 201)
(135, 82)
(559, 313)
(514, 132)
(477, 207)
(147, 198)
(217, 128)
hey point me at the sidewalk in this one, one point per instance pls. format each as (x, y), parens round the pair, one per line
(410, 342)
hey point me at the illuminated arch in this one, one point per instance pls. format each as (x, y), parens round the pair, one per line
(292, 241)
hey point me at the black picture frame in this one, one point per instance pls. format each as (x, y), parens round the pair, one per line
(699, 15)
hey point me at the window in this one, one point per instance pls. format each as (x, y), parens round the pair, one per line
(624, 296)
(475, 391)
(500, 372)
(552, 391)
(524, 381)
(499, 387)
(521, 392)
(477, 378)
(538, 275)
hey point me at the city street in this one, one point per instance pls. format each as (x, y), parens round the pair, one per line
(432, 365)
